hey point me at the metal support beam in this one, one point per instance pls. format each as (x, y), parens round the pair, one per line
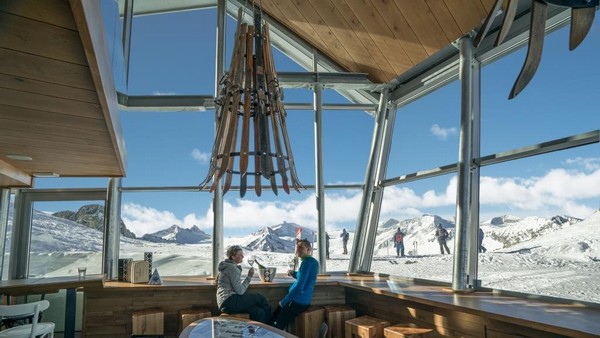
(473, 281)
(20, 241)
(112, 229)
(217, 238)
(4, 208)
(465, 158)
(362, 242)
(319, 184)
(127, 24)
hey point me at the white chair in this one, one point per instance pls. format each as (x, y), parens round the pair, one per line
(32, 330)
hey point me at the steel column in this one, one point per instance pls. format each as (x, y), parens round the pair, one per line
(363, 242)
(319, 184)
(217, 238)
(465, 158)
(112, 229)
(4, 208)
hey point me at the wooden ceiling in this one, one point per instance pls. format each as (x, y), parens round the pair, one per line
(383, 38)
(57, 98)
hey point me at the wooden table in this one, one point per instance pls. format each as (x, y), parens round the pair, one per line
(229, 327)
(33, 286)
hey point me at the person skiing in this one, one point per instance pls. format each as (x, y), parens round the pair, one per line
(442, 235)
(398, 240)
(345, 236)
(480, 236)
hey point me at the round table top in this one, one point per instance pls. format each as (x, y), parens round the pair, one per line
(231, 327)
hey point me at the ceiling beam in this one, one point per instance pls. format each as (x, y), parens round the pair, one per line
(11, 177)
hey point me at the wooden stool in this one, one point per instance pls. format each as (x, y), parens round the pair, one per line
(336, 316)
(188, 316)
(236, 315)
(308, 323)
(365, 327)
(150, 322)
(408, 330)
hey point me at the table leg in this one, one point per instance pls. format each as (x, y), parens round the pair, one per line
(70, 308)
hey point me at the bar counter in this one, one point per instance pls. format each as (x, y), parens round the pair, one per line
(484, 313)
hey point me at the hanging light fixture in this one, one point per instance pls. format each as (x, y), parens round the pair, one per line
(250, 92)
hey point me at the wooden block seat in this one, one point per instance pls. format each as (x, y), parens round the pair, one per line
(335, 317)
(365, 327)
(308, 323)
(148, 323)
(407, 330)
(236, 315)
(190, 315)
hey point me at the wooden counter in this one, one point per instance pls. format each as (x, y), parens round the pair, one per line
(34, 286)
(481, 314)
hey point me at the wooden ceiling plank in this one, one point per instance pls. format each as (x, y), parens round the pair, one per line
(38, 38)
(11, 176)
(375, 23)
(424, 24)
(50, 118)
(11, 140)
(39, 68)
(445, 18)
(35, 127)
(327, 14)
(47, 89)
(296, 20)
(469, 14)
(54, 12)
(15, 98)
(293, 20)
(396, 21)
(373, 40)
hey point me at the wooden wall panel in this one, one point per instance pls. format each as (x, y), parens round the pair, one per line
(54, 12)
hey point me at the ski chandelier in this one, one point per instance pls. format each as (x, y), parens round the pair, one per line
(250, 92)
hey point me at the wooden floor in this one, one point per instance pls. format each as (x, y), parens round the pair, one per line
(480, 314)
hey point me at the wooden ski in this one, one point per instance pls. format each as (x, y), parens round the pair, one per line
(487, 24)
(539, 12)
(581, 22)
(273, 99)
(230, 111)
(245, 148)
(509, 17)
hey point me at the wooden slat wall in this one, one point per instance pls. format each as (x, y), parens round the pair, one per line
(49, 107)
(107, 312)
(384, 38)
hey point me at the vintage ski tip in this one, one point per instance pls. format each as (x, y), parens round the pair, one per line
(581, 22)
(487, 24)
(537, 27)
(509, 17)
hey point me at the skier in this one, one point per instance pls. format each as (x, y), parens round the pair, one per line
(345, 236)
(480, 236)
(442, 235)
(399, 242)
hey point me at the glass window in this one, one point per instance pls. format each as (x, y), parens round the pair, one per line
(65, 236)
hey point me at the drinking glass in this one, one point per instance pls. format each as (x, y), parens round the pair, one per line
(251, 261)
(81, 272)
(292, 263)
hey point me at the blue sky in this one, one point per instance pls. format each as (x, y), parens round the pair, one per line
(174, 54)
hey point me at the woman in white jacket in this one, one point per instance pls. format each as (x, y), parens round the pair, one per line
(231, 296)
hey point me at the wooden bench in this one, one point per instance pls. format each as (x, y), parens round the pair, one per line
(190, 315)
(336, 317)
(148, 323)
(365, 327)
(407, 330)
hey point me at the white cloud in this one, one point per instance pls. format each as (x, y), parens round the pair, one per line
(589, 164)
(200, 156)
(442, 133)
(558, 192)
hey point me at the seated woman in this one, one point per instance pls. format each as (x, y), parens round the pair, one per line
(231, 296)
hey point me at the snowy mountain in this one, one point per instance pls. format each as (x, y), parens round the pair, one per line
(277, 238)
(92, 216)
(176, 234)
